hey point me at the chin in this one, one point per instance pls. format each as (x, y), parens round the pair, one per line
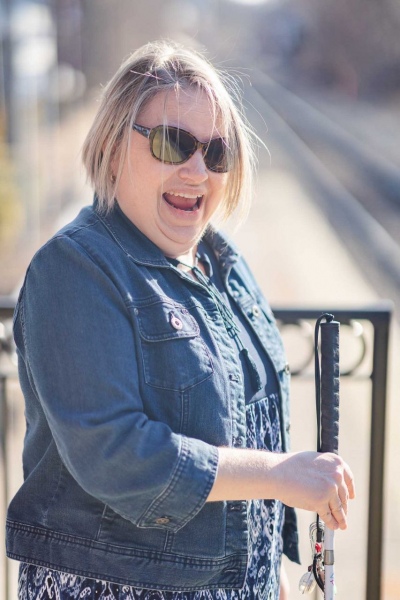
(181, 241)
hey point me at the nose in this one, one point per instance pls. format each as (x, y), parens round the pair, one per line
(194, 170)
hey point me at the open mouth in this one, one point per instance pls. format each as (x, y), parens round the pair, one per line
(185, 202)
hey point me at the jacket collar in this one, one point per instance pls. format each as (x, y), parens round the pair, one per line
(143, 251)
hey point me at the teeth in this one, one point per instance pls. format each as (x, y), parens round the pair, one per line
(182, 195)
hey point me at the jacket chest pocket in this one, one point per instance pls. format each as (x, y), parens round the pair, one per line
(174, 356)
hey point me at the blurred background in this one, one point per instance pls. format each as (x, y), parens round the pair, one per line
(321, 86)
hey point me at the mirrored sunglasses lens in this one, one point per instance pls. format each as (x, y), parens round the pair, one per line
(172, 145)
(216, 157)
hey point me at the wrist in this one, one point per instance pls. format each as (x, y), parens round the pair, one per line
(274, 474)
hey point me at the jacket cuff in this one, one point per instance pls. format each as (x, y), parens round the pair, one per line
(188, 488)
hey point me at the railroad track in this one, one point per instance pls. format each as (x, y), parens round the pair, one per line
(357, 188)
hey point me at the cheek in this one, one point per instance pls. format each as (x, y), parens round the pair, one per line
(137, 177)
(220, 184)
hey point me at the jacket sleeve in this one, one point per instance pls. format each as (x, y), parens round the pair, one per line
(77, 344)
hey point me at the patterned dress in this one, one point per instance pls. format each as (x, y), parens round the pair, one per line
(265, 517)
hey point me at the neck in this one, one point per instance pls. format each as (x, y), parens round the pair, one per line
(188, 267)
(188, 259)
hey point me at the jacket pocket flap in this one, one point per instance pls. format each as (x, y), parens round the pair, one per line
(160, 322)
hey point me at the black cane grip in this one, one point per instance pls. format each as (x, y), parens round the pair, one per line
(330, 387)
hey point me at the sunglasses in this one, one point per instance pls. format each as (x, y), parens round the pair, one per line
(175, 146)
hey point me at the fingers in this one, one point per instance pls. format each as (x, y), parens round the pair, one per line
(344, 496)
(338, 505)
(329, 520)
(339, 513)
(335, 517)
(349, 481)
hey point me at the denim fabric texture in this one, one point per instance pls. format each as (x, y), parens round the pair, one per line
(129, 376)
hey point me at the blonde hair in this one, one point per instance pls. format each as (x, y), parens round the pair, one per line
(160, 67)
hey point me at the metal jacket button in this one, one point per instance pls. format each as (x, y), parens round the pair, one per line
(175, 322)
(256, 311)
(287, 368)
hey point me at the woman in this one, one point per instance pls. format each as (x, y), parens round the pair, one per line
(156, 456)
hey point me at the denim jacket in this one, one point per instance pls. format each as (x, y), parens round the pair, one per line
(131, 384)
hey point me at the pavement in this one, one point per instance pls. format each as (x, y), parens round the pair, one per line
(299, 261)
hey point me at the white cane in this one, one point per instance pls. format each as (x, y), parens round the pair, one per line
(322, 570)
(330, 374)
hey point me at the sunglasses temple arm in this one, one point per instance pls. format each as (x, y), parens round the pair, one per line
(145, 131)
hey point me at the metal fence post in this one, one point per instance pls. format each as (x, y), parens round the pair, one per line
(377, 455)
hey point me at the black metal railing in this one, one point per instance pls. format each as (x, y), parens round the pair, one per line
(378, 316)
